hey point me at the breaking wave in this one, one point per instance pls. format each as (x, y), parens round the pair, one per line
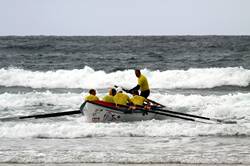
(78, 128)
(89, 78)
(230, 106)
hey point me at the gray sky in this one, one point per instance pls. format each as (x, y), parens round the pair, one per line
(124, 17)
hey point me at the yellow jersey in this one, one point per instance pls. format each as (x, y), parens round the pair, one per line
(138, 100)
(91, 98)
(143, 82)
(121, 98)
(108, 98)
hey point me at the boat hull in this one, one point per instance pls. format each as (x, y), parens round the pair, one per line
(107, 112)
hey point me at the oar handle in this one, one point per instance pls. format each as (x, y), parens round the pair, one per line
(154, 102)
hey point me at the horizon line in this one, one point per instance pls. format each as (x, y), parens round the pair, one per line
(138, 35)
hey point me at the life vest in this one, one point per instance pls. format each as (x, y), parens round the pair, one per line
(91, 98)
(138, 100)
(108, 98)
(143, 82)
(121, 98)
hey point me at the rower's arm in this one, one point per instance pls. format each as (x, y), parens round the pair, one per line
(137, 87)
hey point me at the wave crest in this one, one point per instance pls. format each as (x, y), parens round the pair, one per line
(89, 78)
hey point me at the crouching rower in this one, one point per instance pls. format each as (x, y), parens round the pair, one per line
(110, 97)
(139, 101)
(92, 96)
(121, 98)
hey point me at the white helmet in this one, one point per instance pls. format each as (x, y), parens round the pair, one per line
(119, 89)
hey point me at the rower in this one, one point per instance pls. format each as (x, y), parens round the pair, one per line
(92, 96)
(136, 99)
(110, 97)
(139, 101)
(142, 84)
(121, 98)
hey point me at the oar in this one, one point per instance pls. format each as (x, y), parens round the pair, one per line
(183, 114)
(176, 116)
(196, 116)
(56, 114)
(163, 113)
(152, 101)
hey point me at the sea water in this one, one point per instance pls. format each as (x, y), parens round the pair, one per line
(206, 76)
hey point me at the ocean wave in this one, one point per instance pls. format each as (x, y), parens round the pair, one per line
(231, 106)
(89, 78)
(78, 128)
(224, 106)
(13, 100)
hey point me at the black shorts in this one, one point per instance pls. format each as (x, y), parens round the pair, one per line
(145, 93)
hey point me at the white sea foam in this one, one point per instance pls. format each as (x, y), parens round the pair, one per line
(235, 105)
(89, 78)
(77, 128)
(19, 100)
(231, 106)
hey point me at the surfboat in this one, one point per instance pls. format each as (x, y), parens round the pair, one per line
(100, 111)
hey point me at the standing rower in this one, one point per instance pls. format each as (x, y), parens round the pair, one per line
(142, 84)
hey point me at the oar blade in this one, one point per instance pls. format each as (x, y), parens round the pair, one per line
(56, 114)
(224, 121)
(229, 122)
(9, 119)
